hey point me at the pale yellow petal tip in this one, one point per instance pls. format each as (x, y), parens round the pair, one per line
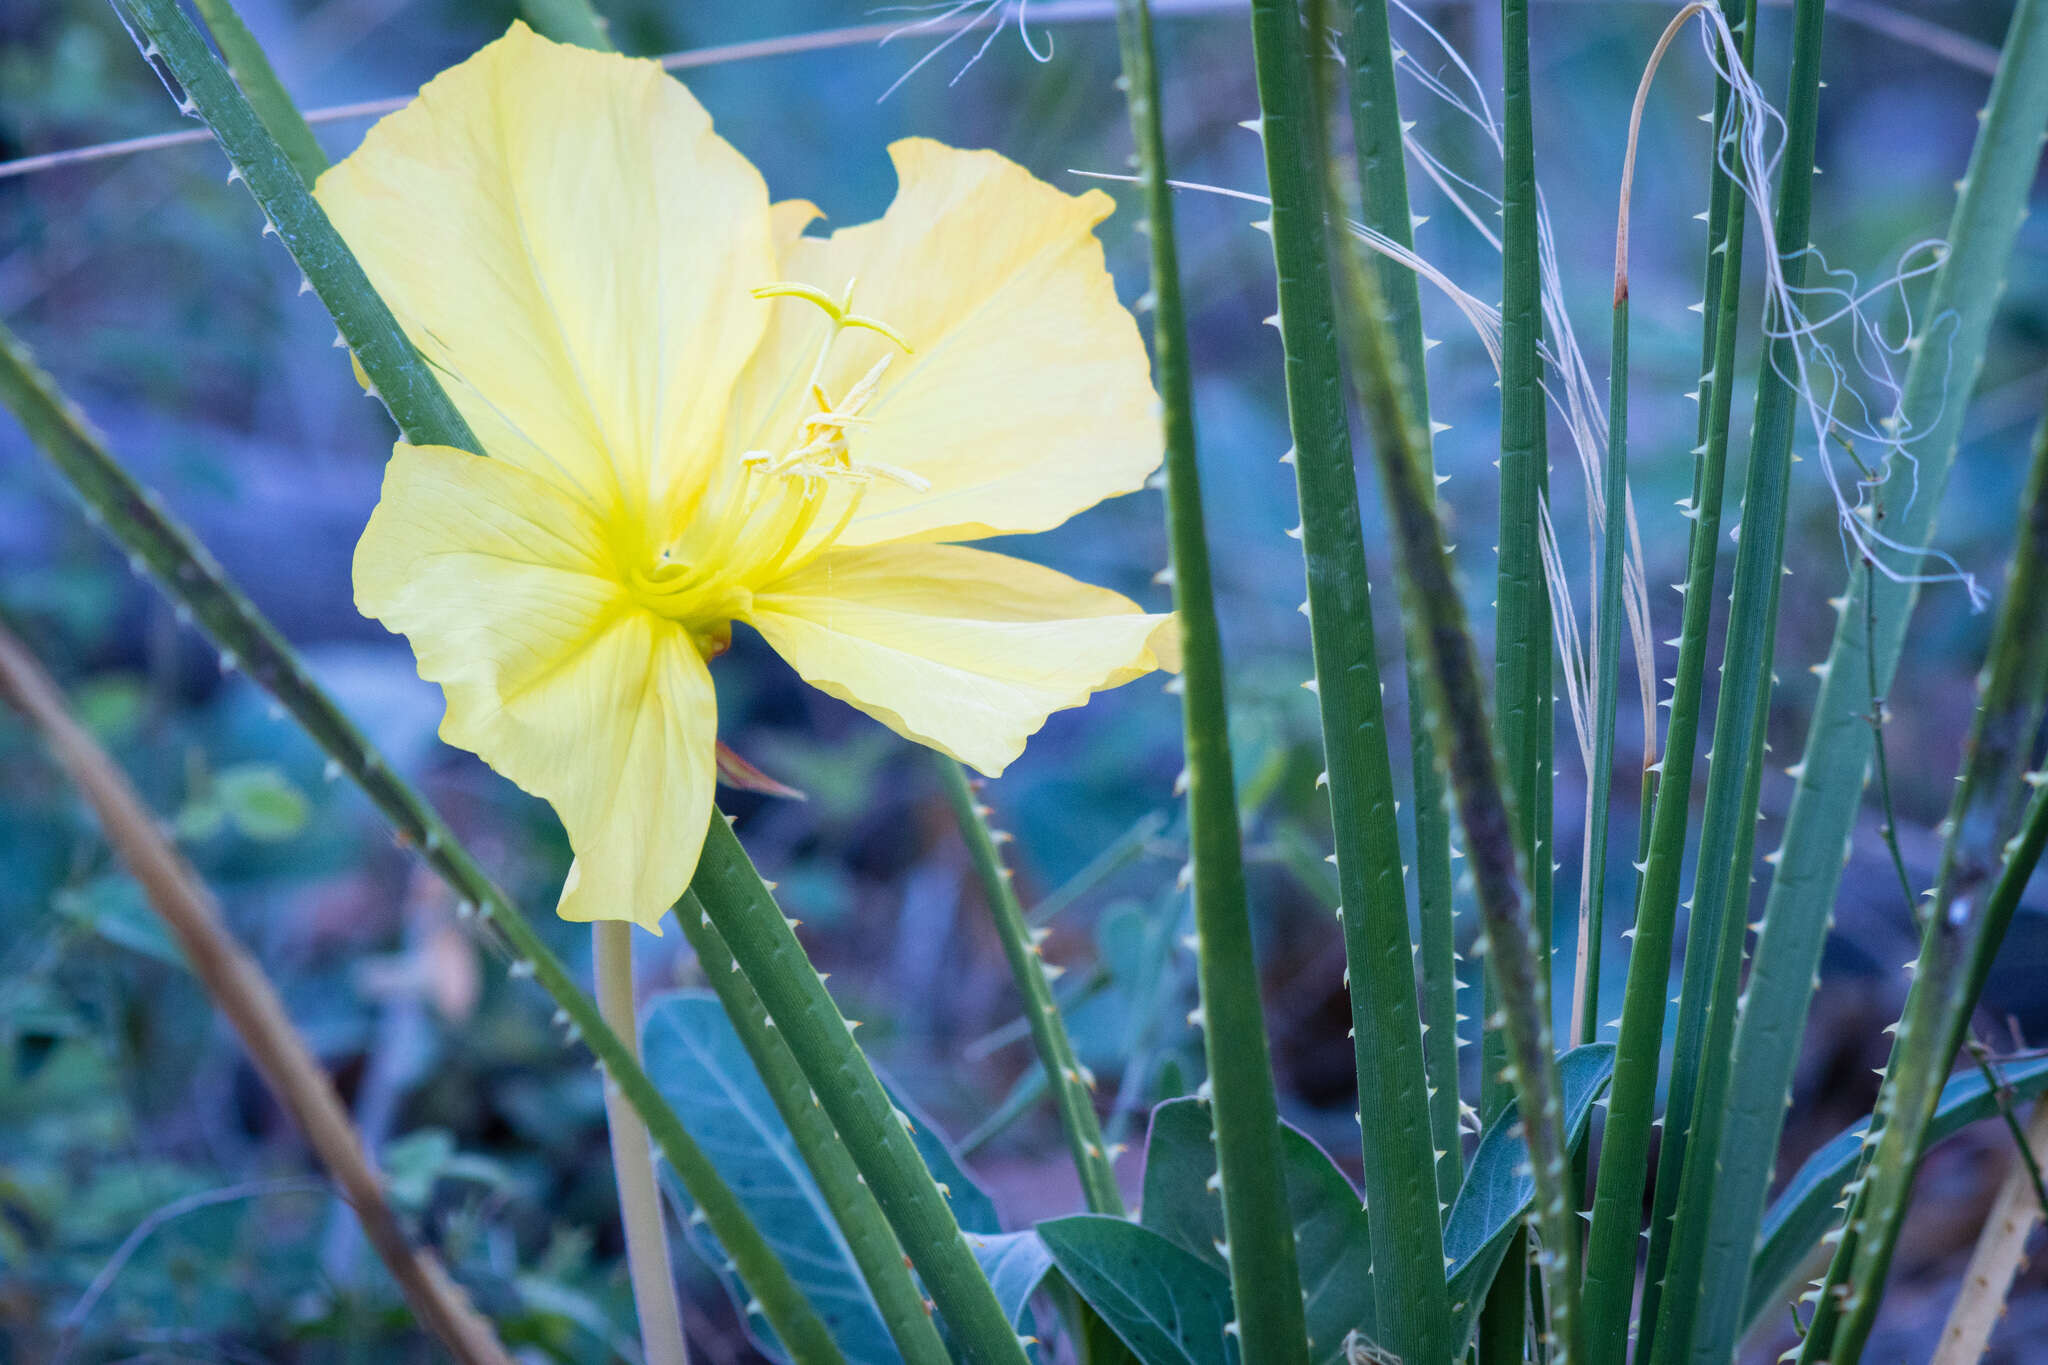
(582, 904)
(919, 157)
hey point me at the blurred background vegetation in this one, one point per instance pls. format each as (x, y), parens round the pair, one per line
(154, 1203)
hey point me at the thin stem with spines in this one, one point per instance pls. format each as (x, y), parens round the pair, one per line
(852, 1204)
(1265, 1279)
(1068, 1079)
(763, 941)
(1612, 1246)
(1397, 1142)
(1383, 197)
(1516, 963)
(1689, 1163)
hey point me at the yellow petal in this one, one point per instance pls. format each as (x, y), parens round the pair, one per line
(571, 246)
(1027, 396)
(958, 648)
(551, 675)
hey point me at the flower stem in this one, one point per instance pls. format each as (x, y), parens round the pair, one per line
(1069, 1081)
(654, 1281)
(875, 1132)
(869, 1238)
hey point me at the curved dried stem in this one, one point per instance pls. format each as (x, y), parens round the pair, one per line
(242, 993)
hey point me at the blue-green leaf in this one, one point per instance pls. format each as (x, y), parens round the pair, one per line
(701, 1067)
(698, 1063)
(1331, 1231)
(1498, 1185)
(1016, 1263)
(1808, 1207)
(1168, 1305)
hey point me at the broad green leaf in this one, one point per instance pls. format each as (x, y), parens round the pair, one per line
(1331, 1230)
(1016, 1264)
(701, 1067)
(698, 1063)
(1498, 1186)
(1806, 1210)
(1168, 1305)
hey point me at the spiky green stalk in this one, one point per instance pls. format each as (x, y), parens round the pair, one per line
(1839, 742)
(1383, 196)
(868, 1238)
(1522, 639)
(1516, 963)
(1069, 1080)
(1689, 1164)
(877, 1135)
(1397, 1143)
(1612, 1246)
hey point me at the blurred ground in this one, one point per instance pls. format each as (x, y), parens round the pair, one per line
(143, 285)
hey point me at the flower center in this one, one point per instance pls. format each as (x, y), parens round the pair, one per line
(783, 508)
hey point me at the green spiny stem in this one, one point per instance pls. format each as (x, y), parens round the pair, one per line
(1831, 772)
(1691, 1160)
(157, 544)
(1071, 1082)
(253, 72)
(1522, 641)
(1957, 941)
(204, 90)
(1399, 1161)
(1383, 195)
(874, 1131)
(868, 1238)
(1516, 963)
(1612, 1247)
(1955, 952)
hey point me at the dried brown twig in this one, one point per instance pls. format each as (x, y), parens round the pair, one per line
(241, 991)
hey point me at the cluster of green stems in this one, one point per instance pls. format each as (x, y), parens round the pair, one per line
(1351, 334)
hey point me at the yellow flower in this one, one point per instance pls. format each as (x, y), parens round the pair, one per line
(697, 415)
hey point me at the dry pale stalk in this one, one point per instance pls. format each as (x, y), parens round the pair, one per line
(240, 991)
(1999, 1256)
